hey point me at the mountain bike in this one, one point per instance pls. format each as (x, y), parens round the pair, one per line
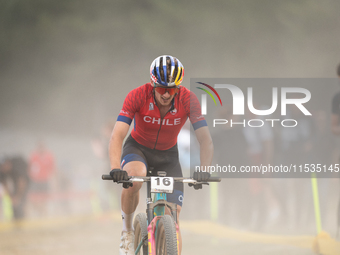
(156, 233)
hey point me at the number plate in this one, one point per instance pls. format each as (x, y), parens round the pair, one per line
(162, 184)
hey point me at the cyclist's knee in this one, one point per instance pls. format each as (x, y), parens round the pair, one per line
(135, 168)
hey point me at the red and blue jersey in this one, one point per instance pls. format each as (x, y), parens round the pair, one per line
(150, 129)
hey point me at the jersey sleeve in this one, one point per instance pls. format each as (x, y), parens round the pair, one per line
(131, 105)
(193, 109)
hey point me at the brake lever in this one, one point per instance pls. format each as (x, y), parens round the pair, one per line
(126, 183)
(205, 183)
(197, 185)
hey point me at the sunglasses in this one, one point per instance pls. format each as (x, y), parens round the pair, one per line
(162, 90)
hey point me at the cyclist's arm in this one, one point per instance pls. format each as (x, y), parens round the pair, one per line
(335, 124)
(206, 145)
(118, 135)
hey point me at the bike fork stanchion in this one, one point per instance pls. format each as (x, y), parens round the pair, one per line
(149, 209)
(174, 214)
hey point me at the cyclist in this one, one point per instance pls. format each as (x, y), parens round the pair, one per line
(159, 109)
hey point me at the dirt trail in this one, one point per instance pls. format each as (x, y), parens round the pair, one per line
(101, 235)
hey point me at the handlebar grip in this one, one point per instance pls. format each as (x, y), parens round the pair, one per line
(106, 177)
(214, 179)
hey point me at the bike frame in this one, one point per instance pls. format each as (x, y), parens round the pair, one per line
(156, 209)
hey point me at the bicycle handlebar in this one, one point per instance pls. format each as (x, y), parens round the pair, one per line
(148, 178)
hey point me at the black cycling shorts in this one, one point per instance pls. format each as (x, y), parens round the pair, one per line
(157, 160)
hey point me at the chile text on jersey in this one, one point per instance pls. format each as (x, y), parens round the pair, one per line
(150, 129)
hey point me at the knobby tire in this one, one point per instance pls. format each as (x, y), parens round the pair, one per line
(166, 237)
(141, 230)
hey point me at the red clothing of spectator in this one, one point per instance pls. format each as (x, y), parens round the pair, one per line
(42, 166)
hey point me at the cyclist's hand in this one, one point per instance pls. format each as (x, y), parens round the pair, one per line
(201, 176)
(120, 175)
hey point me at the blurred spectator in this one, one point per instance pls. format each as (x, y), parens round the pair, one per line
(42, 170)
(322, 146)
(183, 141)
(335, 127)
(100, 143)
(230, 149)
(335, 124)
(2, 194)
(108, 200)
(260, 150)
(15, 181)
(296, 148)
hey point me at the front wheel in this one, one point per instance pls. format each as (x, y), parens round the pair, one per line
(166, 237)
(141, 233)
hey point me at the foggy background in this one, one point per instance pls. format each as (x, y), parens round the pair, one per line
(66, 67)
